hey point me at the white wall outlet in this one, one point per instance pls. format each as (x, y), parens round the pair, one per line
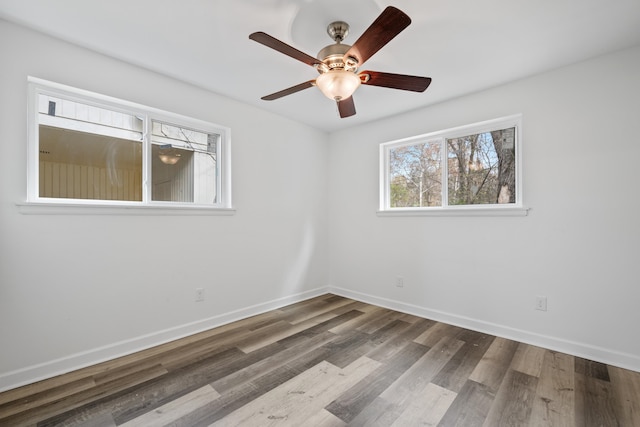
(399, 282)
(541, 303)
(199, 294)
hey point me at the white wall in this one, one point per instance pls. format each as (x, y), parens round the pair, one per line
(578, 246)
(75, 289)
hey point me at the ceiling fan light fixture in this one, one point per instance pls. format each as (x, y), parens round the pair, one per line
(168, 155)
(338, 84)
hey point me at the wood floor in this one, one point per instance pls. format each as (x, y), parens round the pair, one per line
(332, 361)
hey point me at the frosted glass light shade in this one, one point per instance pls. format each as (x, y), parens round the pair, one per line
(338, 84)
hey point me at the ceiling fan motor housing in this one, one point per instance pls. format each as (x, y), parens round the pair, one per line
(333, 57)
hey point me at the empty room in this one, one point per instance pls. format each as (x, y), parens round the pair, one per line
(319, 213)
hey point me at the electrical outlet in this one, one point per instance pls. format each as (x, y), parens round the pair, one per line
(199, 294)
(399, 282)
(541, 303)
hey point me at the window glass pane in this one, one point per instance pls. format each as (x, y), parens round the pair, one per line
(482, 168)
(88, 152)
(183, 164)
(415, 177)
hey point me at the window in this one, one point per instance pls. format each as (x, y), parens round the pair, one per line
(471, 167)
(91, 149)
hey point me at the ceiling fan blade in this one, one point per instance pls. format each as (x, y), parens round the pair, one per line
(395, 81)
(289, 91)
(389, 24)
(346, 107)
(282, 47)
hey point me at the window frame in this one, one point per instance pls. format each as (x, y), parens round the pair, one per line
(441, 136)
(36, 204)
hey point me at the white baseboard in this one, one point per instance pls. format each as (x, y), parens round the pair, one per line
(586, 351)
(72, 362)
(31, 374)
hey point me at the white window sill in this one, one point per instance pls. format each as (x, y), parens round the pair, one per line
(35, 208)
(453, 212)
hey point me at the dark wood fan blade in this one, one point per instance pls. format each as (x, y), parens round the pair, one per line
(289, 91)
(282, 47)
(389, 24)
(346, 107)
(395, 81)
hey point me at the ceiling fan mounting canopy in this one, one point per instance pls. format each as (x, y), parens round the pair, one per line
(338, 30)
(338, 63)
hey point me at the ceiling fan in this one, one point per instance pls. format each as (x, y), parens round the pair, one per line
(338, 63)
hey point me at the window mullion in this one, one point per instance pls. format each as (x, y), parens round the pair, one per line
(444, 165)
(146, 159)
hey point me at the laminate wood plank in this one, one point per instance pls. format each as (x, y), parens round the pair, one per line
(175, 409)
(554, 403)
(358, 321)
(351, 403)
(324, 418)
(422, 372)
(387, 351)
(311, 307)
(494, 364)
(320, 327)
(179, 357)
(31, 390)
(378, 413)
(269, 334)
(253, 371)
(394, 400)
(409, 318)
(470, 407)
(97, 418)
(327, 307)
(75, 401)
(228, 402)
(184, 381)
(103, 419)
(626, 388)
(427, 408)
(592, 369)
(594, 402)
(431, 336)
(456, 372)
(512, 405)
(132, 368)
(131, 402)
(348, 347)
(273, 335)
(528, 359)
(332, 298)
(353, 305)
(62, 380)
(307, 305)
(265, 322)
(124, 400)
(365, 343)
(45, 397)
(386, 316)
(237, 397)
(355, 323)
(305, 394)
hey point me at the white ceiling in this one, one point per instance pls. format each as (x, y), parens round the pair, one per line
(464, 45)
